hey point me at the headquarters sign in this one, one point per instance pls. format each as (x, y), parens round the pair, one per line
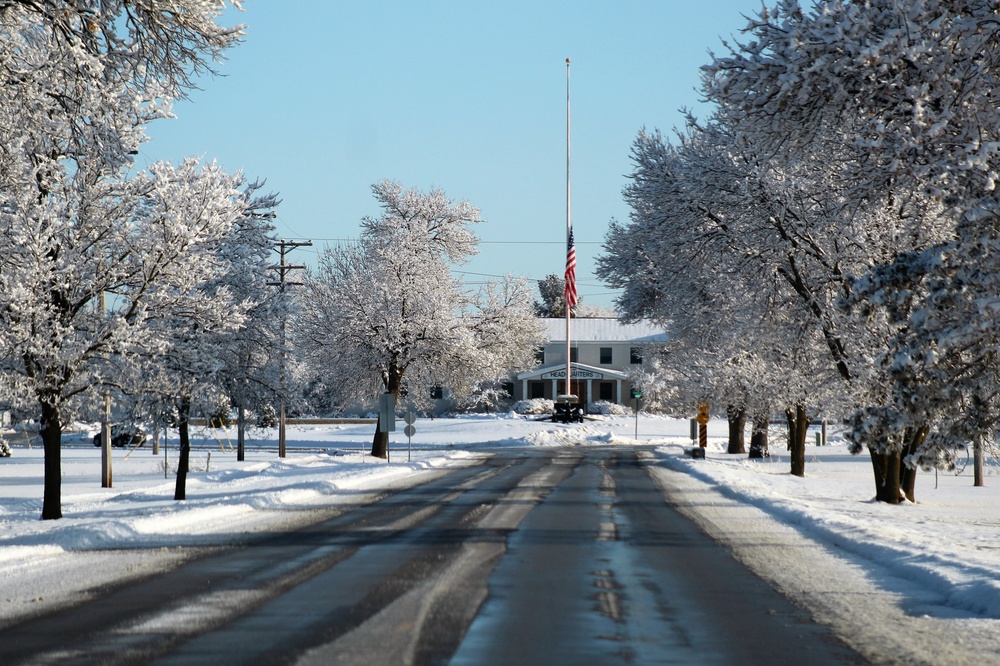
(578, 373)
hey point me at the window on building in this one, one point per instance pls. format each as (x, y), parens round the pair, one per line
(607, 391)
(536, 390)
(437, 392)
(574, 354)
(635, 356)
(540, 355)
(605, 355)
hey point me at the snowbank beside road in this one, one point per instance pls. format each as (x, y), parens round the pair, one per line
(897, 585)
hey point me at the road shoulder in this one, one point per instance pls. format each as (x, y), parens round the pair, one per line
(838, 590)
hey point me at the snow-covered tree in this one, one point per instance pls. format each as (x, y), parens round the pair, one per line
(386, 314)
(253, 355)
(843, 138)
(904, 90)
(210, 355)
(81, 79)
(551, 290)
(710, 255)
(943, 374)
(151, 246)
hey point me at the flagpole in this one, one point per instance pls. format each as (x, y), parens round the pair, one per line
(569, 231)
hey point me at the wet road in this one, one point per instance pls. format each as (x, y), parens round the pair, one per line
(553, 556)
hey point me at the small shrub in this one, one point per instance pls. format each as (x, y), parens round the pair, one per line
(268, 417)
(608, 408)
(533, 406)
(221, 415)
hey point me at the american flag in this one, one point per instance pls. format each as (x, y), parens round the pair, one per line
(570, 290)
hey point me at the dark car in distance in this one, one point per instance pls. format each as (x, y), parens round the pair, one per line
(123, 437)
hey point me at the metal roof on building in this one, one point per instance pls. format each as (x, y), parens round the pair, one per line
(602, 330)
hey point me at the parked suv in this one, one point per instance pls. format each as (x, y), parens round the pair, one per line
(123, 436)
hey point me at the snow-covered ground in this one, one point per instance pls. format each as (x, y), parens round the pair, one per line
(917, 583)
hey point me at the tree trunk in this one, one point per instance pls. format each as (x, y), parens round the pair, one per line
(895, 481)
(51, 433)
(797, 424)
(737, 426)
(908, 473)
(241, 429)
(977, 463)
(184, 451)
(887, 478)
(380, 443)
(758, 434)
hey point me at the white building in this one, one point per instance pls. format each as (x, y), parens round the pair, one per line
(602, 352)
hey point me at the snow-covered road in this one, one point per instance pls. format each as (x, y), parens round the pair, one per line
(906, 584)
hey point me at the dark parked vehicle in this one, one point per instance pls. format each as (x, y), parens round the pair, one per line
(123, 437)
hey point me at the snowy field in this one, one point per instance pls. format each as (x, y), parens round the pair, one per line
(918, 583)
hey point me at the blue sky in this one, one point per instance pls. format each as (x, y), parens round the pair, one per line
(326, 97)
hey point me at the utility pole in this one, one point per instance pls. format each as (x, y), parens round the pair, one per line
(283, 247)
(106, 476)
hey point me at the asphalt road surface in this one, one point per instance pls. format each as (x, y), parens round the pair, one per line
(551, 556)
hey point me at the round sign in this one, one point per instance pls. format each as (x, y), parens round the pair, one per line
(410, 417)
(409, 430)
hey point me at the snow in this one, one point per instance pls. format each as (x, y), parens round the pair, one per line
(916, 583)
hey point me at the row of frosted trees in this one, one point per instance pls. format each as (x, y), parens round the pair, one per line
(828, 236)
(111, 279)
(153, 285)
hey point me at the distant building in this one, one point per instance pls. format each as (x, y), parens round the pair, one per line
(602, 353)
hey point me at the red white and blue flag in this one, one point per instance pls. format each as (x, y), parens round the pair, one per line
(570, 290)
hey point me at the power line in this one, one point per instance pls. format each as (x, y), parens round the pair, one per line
(482, 242)
(307, 247)
(575, 242)
(491, 275)
(295, 233)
